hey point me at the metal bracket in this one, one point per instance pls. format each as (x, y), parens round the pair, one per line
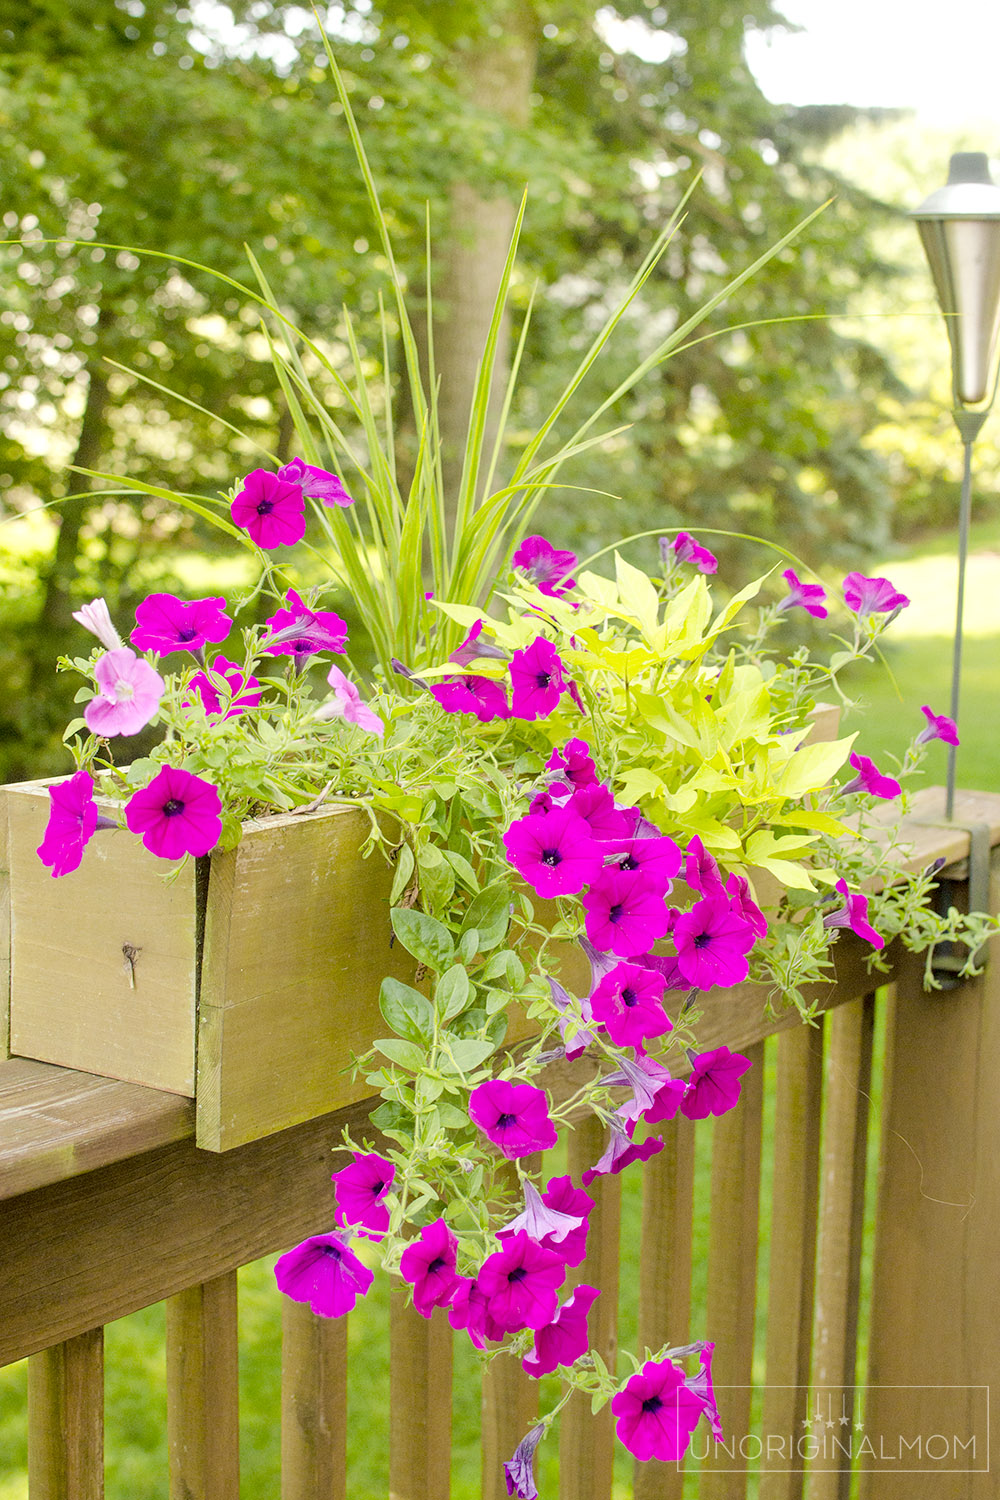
(949, 959)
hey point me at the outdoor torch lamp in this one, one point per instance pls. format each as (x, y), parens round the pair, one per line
(960, 229)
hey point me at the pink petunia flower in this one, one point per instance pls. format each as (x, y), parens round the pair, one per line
(469, 1309)
(620, 1152)
(854, 914)
(472, 695)
(714, 1085)
(701, 1385)
(712, 941)
(596, 806)
(130, 693)
(624, 913)
(96, 618)
(72, 824)
(537, 682)
(301, 632)
(657, 1412)
(428, 1264)
(687, 550)
(164, 623)
(870, 596)
(743, 904)
(244, 692)
(574, 762)
(657, 860)
(545, 566)
(317, 484)
(348, 704)
(655, 1095)
(566, 1339)
(567, 1007)
(324, 1272)
(869, 779)
(701, 872)
(521, 1283)
(553, 851)
(475, 647)
(564, 1198)
(360, 1190)
(540, 1222)
(807, 596)
(938, 727)
(272, 510)
(176, 814)
(519, 1471)
(514, 1116)
(627, 1003)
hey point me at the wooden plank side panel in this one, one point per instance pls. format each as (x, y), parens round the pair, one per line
(791, 1273)
(420, 1373)
(509, 1411)
(66, 1420)
(665, 1272)
(313, 1404)
(732, 1275)
(203, 1392)
(848, 1085)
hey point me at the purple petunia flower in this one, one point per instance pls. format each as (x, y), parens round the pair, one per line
(870, 596)
(743, 904)
(472, 695)
(475, 647)
(869, 779)
(519, 1471)
(521, 1283)
(553, 851)
(130, 693)
(546, 567)
(624, 913)
(564, 1198)
(687, 550)
(540, 1222)
(938, 727)
(176, 814)
(655, 1095)
(301, 632)
(244, 692)
(566, 1338)
(272, 510)
(854, 914)
(596, 806)
(347, 703)
(360, 1189)
(657, 860)
(807, 596)
(566, 1005)
(712, 941)
(701, 872)
(574, 763)
(514, 1116)
(714, 1085)
(657, 1412)
(620, 1152)
(701, 1385)
(164, 623)
(469, 1309)
(72, 824)
(428, 1264)
(537, 682)
(96, 618)
(627, 1003)
(324, 1272)
(317, 484)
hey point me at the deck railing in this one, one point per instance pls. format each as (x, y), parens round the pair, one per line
(106, 1206)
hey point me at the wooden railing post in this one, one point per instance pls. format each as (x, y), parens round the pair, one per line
(66, 1420)
(420, 1402)
(203, 1391)
(313, 1404)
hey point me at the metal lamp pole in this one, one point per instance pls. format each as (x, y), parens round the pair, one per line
(960, 229)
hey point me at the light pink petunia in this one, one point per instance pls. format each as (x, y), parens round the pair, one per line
(130, 693)
(347, 703)
(96, 618)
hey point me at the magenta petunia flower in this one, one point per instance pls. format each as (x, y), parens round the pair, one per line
(317, 484)
(624, 913)
(553, 851)
(869, 779)
(348, 704)
(807, 596)
(164, 623)
(244, 692)
(519, 1471)
(627, 1003)
(272, 510)
(176, 814)
(701, 872)
(537, 682)
(469, 1309)
(360, 1189)
(301, 632)
(475, 647)
(687, 550)
(545, 566)
(567, 1007)
(620, 1152)
(72, 824)
(324, 1272)
(712, 941)
(657, 860)
(130, 693)
(428, 1264)
(514, 1116)
(521, 1283)
(655, 1095)
(657, 1412)
(743, 904)
(564, 1198)
(854, 914)
(714, 1085)
(870, 596)
(938, 727)
(96, 618)
(596, 806)
(566, 1339)
(472, 695)
(540, 1222)
(701, 1385)
(574, 763)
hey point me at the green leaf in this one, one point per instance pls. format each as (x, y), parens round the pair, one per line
(73, 727)
(407, 1011)
(451, 993)
(406, 1054)
(489, 913)
(468, 945)
(427, 939)
(470, 1053)
(404, 871)
(813, 766)
(462, 869)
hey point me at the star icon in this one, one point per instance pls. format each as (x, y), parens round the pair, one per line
(807, 1421)
(845, 1420)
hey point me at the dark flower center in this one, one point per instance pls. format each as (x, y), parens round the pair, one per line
(628, 863)
(436, 1265)
(303, 647)
(265, 507)
(652, 1404)
(188, 633)
(703, 939)
(518, 1274)
(503, 1121)
(542, 679)
(629, 997)
(173, 807)
(551, 857)
(615, 912)
(332, 1252)
(377, 1188)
